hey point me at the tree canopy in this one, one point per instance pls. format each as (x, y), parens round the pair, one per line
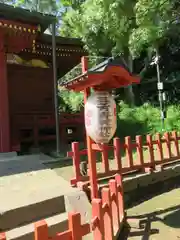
(122, 27)
(116, 27)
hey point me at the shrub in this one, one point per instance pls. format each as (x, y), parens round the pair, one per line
(70, 101)
(141, 120)
(145, 120)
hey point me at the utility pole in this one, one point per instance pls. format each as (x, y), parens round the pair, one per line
(56, 105)
(37, 6)
(161, 93)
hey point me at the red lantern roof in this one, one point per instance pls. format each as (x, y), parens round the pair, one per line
(112, 73)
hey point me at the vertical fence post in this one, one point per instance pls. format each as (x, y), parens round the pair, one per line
(41, 231)
(106, 200)
(97, 219)
(105, 160)
(117, 153)
(159, 146)
(168, 145)
(76, 160)
(129, 151)
(75, 225)
(90, 152)
(115, 204)
(139, 149)
(175, 138)
(151, 149)
(119, 182)
(2, 236)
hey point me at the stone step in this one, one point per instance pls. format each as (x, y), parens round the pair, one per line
(56, 223)
(29, 191)
(7, 155)
(12, 218)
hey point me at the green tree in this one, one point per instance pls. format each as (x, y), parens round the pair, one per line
(45, 6)
(123, 27)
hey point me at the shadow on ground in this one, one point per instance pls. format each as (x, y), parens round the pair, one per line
(141, 225)
(144, 232)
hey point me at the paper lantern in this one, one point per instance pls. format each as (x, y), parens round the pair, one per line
(100, 117)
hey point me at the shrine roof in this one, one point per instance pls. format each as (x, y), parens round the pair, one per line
(46, 38)
(112, 73)
(9, 12)
(102, 67)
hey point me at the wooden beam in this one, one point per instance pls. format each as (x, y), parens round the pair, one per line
(4, 101)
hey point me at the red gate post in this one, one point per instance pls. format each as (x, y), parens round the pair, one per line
(117, 153)
(107, 208)
(77, 230)
(129, 155)
(41, 230)
(2, 236)
(97, 219)
(168, 145)
(91, 153)
(105, 160)
(151, 149)
(175, 138)
(4, 100)
(139, 149)
(115, 204)
(159, 147)
(119, 182)
(108, 75)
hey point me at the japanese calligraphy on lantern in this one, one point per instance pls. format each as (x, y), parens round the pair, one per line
(100, 117)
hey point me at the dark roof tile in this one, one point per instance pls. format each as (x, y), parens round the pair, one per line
(9, 12)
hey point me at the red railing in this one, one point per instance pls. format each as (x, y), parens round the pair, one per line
(107, 218)
(34, 121)
(108, 212)
(133, 162)
(76, 230)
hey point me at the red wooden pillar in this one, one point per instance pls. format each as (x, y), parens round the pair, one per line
(91, 154)
(4, 103)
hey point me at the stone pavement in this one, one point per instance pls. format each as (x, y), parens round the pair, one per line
(29, 191)
(157, 218)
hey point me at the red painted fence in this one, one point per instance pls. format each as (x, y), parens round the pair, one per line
(107, 218)
(133, 162)
(27, 128)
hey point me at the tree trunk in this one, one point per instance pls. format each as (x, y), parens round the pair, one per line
(129, 93)
(130, 98)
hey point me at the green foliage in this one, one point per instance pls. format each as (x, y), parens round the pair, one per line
(95, 24)
(141, 120)
(70, 101)
(173, 120)
(153, 20)
(122, 27)
(108, 26)
(146, 120)
(45, 6)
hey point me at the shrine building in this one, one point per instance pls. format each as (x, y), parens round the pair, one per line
(26, 77)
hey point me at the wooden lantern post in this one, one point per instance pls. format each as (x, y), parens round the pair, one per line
(91, 154)
(108, 75)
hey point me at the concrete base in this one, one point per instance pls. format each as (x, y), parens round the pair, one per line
(56, 223)
(78, 202)
(150, 183)
(30, 192)
(7, 155)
